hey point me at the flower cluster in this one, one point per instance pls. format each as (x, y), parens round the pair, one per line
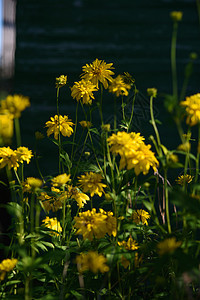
(91, 224)
(133, 151)
(32, 184)
(12, 158)
(129, 245)
(85, 124)
(6, 266)
(61, 81)
(91, 182)
(59, 124)
(15, 104)
(91, 261)
(53, 224)
(192, 107)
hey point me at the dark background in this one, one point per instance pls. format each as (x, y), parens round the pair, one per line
(59, 37)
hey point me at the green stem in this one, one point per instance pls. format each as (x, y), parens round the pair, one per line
(74, 131)
(132, 110)
(17, 131)
(167, 202)
(173, 61)
(197, 159)
(154, 126)
(59, 138)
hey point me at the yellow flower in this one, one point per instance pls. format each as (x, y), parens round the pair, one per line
(176, 16)
(7, 265)
(184, 147)
(168, 246)
(184, 179)
(91, 182)
(91, 224)
(6, 127)
(128, 78)
(80, 197)
(63, 124)
(83, 90)
(32, 184)
(15, 104)
(152, 92)
(91, 261)
(85, 124)
(111, 222)
(129, 245)
(60, 180)
(46, 201)
(192, 105)
(97, 71)
(119, 87)
(140, 216)
(54, 224)
(61, 81)
(8, 157)
(23, 154)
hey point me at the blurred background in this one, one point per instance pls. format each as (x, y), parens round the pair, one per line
(40, 40)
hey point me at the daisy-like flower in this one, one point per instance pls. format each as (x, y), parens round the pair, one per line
(91, 182)
(168, 246)
(129, 245)
(54, 224)
(91, 261)
(8, 157)
(140, 216)
(83, 90)
(6, 127)
(23, 154)
(63, 124)
(60, 180)
(6, 266)
(32, 184)
(111, 222)
(119, 87)
(98, 71)
(91, 224)
(184, 179)
(80, 197)
(85, 124)
(176, 15)
(192, 107)
(15, 104)
(61, 81)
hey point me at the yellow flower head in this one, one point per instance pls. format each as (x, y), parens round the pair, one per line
(6, 127)
(192, 107)
(140, 216)
(83, 90)
(32, 184)
(111, 222)
(168, 246)
(60, 180)
(98, 71)
(54, 224)
(105, 127)
(176, 16)
(7, 265)
(128, 78)
(91, 261)
(129, 245)
(63, 124)
(80, 197)
(15, 104)
(8, 157)
(119, 87)
(184, 179)
(85, 124)
(91, 224)
(23, 154)
(91, 182)
(184, 147)
(152, 92)
(61, 81)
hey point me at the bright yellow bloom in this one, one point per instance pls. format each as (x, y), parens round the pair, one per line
(119, 87)
(111, 222)
(83, 90)
(63, 124)
(192, 107)
(91, 182)
(91, 261)
(61, 81)
(97, 71)
(8, 157)
(6, 127)
(168, 246)
(23, 154)
(60, 180)
(184, 179)
(80, 197)
(54, 224)
(15, 104)
(85, 124)
(176, 15)
(129, 245)
(140, 216)
(32, 184)
(7, 265)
